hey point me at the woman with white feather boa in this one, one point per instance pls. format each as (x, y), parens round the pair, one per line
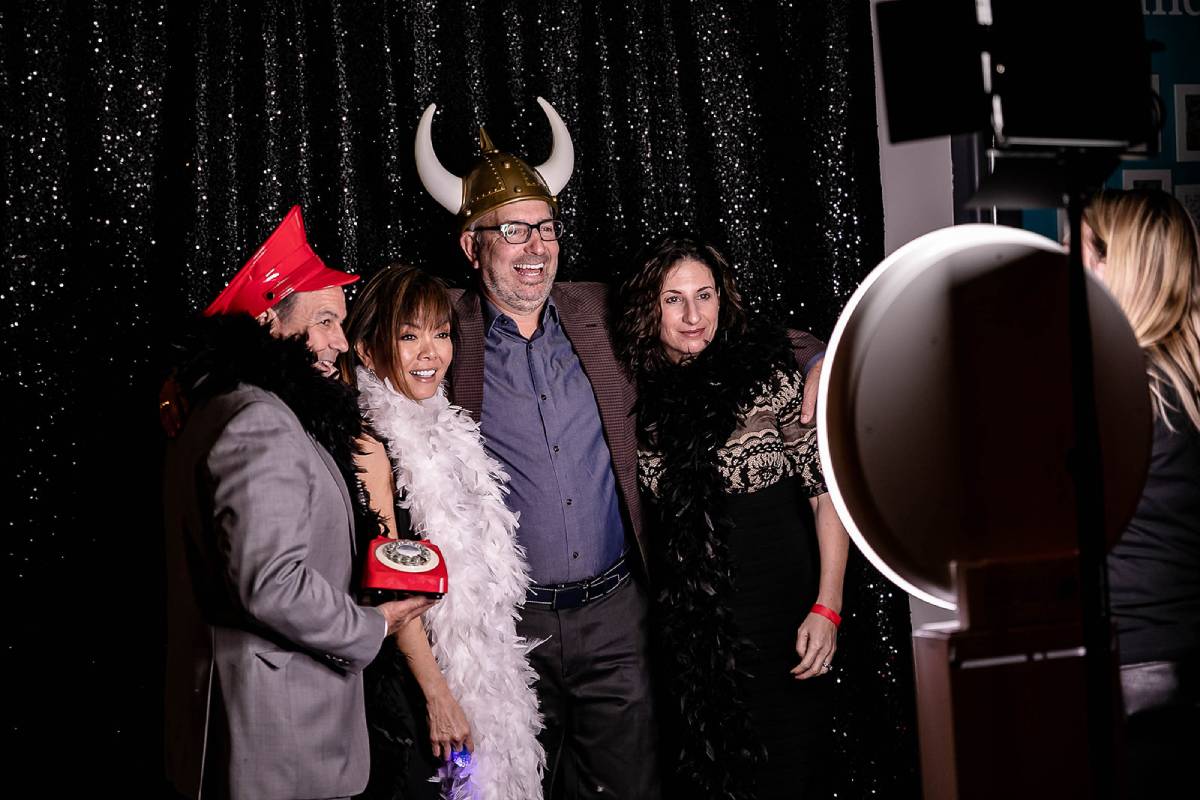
(467, 659)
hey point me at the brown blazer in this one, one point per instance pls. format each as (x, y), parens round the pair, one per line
(583, 311)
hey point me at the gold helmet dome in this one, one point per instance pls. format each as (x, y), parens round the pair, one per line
(498, 178)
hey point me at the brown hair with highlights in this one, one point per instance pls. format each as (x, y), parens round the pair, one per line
(1152, 268)
(637, 327)
(396, 296)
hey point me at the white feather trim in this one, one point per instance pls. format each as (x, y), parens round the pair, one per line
(454, 492)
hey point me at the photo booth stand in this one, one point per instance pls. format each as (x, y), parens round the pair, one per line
(985, 421)
(948, 438)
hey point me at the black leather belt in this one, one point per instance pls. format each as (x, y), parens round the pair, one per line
(579, 593)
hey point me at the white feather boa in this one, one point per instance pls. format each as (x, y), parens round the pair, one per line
(454, 492)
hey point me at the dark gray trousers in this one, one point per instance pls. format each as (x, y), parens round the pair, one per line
(595, 696)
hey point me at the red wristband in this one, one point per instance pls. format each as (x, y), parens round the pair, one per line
(828, 613)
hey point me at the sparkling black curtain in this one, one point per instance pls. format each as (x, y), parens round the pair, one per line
(146, 149)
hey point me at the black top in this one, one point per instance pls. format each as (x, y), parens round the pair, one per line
(1154, 571)
(397, 718)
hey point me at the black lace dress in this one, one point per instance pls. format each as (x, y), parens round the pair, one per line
(735, 592)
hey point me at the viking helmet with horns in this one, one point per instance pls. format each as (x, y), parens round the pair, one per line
(498, 178)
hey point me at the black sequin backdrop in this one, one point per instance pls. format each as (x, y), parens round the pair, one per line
(146, 150)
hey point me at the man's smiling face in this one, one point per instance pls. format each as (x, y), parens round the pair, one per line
(516, 277)
(319, 316)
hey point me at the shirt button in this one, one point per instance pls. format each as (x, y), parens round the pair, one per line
(575, 554)
(543, 397)
(568, 501)
(556, 448)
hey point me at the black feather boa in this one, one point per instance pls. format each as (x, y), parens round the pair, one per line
(215, 354)
(687, 412)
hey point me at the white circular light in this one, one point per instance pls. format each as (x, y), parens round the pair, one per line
(944, 416)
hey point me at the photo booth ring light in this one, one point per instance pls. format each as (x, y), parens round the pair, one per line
(945, 416)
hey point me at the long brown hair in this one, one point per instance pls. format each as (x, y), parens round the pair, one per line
(1152, 268)
(637, 328)
(396, 296)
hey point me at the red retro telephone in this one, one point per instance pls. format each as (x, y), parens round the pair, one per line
(403, 567)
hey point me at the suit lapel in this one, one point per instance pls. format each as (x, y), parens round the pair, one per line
(466, 370)
(589, 337)
(331, 465)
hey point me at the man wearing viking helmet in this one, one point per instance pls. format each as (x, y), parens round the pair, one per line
(535, 365)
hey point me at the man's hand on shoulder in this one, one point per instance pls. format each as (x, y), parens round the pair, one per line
(812, 381)
(810, 357)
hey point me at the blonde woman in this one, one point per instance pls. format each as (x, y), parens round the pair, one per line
(1144, 247)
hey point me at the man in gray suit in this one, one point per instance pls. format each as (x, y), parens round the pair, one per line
(265, 650)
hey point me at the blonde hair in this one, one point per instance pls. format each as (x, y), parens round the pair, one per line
(1151, 258)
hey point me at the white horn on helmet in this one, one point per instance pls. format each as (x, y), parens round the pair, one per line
(443, 186)
(557, 169)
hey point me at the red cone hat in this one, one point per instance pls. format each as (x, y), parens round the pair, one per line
(284, 264)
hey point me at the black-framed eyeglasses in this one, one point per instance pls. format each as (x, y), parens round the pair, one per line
(519, 232)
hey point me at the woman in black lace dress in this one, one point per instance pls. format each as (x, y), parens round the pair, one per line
(750, 554)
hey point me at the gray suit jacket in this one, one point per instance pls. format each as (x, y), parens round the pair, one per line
(265, 645)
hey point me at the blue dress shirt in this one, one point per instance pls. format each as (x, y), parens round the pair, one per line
(540, 420)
